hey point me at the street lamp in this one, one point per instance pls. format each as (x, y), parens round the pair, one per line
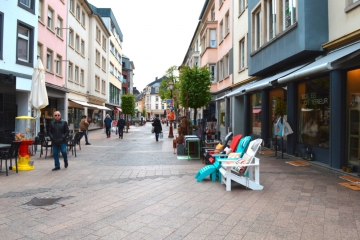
(171, 87)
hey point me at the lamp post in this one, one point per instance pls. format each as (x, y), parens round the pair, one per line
(171, 87)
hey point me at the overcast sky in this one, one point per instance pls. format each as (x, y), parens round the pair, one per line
(157, 33)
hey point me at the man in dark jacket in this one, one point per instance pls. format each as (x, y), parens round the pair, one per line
(121, 125)
(107, 122)
(58, 133)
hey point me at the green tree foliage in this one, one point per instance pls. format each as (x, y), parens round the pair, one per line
(194, 87)
(164, 92)
(144, 112)
(128, 105)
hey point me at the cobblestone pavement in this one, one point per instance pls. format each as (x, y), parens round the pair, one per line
(135, 188)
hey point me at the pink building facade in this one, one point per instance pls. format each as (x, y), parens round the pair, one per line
(51, 49)
(217, 53)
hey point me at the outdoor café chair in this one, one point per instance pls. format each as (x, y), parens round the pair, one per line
(11, 153)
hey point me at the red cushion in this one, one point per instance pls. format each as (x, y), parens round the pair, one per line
(235, 141)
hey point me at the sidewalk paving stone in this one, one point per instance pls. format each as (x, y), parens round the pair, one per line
(135, 188)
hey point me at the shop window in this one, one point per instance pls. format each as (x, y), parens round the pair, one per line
(256, 113)
(314, 112)
(222, 118)
(277, 107)
(353, 112)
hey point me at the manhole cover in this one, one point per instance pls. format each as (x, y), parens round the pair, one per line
(42, 201)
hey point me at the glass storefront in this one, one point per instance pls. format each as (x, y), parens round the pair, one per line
(314, 112)
(353, 111)
(277, 102)
(74, 117)
(47, 114)
(221, 118)
(256, 113)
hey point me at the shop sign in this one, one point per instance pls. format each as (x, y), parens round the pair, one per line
(310, 99)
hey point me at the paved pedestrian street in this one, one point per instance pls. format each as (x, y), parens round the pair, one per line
(135, 188)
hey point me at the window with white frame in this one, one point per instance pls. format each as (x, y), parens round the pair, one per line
(76, 74)
(58, 63)
(49, 60)
(213, 13)
(98, 34)
(111, 68)
(162, 106)
(59, 27)
(156, 90)
(227, 23)
(97, 54)
(24, 53)
(103, 64)
(156, 106)
(270, 19)
(257, 35)
(149, 89)
(197, 45)
(212, 38)
(71, 5)
(70, 71)
(221, 31)
(289, 13)
(212, 68)
(77, 43)
(77, 12)
(226, 65)
(103, 86)
(41, 10)
(221, 69)
(40, 51)
(82, 18)
(104, 43)
(112, 47)
(242, 54)
(71, 37)
(97, 83)
(82, 47)
(82, 77)
(196, 61)
(156, 99)
(242, 5)
(50, 18)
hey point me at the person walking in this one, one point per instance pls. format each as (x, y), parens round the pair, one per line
(121, 125)
(108, 122)
(157, 128)
(58, 133)
(84, 126)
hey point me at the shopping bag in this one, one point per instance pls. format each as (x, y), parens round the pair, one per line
(113, 129)
(103, 131)
(116, 131)
(152, 130)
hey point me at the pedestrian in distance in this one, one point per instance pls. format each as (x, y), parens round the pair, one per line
(107, 122)
(84, 126)
(121, 125)
(58, 133)
(157, 128)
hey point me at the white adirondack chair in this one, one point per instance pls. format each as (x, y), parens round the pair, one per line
(245, 171)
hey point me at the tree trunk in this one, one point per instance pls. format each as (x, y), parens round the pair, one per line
(195, 114)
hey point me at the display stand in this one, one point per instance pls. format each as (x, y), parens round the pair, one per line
(24, 161)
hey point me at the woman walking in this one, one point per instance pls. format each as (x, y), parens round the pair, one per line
(157, 128)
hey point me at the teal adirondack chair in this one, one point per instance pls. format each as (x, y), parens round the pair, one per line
(213, 170)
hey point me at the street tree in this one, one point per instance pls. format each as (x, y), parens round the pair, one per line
(128, 107)
(194, 86)
(164, 92)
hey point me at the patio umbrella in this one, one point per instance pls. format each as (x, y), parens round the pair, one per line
(38, 95)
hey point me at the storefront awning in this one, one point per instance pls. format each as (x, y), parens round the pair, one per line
(267, 82)
(100, 107)
(85, 104)
(323, 64)
(119, 109)
(237, 91)
(257, 110)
